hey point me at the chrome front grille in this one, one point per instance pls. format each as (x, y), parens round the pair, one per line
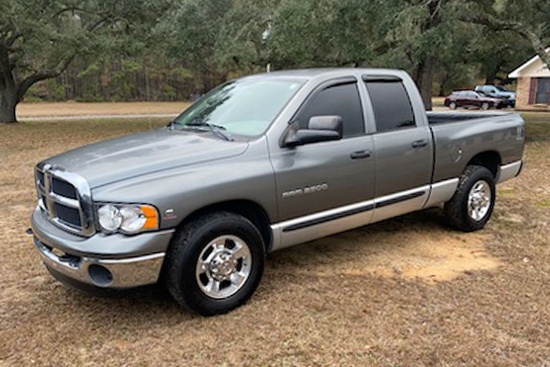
(66, 199)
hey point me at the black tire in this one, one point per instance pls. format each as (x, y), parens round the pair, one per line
(181, 270)
(452, 105)
(457, 213)
(485, 105)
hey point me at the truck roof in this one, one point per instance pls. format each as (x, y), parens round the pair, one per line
(327, 72)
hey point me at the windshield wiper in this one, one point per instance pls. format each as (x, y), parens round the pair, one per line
(171, 124)
(217, 129)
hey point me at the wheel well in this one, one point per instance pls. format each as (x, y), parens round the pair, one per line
(248, 209)
(489, 160)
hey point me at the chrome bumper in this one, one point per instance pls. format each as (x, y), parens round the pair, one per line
(509, 171)
(114, 261)
(104, 273)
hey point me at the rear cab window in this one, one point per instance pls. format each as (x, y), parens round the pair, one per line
(391, 103)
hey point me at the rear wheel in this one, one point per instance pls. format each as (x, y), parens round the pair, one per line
(485, 106)
(472, 204)
(215, 263)
(452, 105)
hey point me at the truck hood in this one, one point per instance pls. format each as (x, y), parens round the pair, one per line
(134, 155)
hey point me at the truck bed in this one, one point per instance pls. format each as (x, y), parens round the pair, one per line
(435, 118)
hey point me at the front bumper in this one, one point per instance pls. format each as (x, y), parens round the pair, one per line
(114, 261)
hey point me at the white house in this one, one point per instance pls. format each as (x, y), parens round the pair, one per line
(533, 91)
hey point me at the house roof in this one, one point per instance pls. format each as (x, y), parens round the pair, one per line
(517, 73)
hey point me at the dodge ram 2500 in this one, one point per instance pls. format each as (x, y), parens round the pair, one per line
(258, 164)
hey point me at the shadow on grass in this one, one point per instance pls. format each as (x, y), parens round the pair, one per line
(131, 306)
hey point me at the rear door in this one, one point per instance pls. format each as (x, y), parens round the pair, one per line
(403, 150)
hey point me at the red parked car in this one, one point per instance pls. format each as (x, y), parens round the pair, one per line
(471, 99)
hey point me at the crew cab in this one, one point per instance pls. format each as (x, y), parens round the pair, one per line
(259, 164)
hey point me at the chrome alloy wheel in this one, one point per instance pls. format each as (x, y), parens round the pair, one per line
(479, 200)
(223, 267)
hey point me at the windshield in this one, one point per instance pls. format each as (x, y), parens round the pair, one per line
(501, 89)
(244, 107)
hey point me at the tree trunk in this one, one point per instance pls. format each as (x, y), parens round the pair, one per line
(490, 76)
(8, 98)
(443, 83)
(8, 102)
(425, 73)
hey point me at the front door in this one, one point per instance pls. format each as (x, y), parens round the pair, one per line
(322, 185)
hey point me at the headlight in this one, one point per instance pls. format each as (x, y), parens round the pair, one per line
(127, 218)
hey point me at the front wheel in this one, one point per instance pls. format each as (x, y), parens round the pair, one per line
(485, 106)
(215, 263)
(452, 105)
(472, 204)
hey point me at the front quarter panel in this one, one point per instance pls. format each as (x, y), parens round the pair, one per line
(177, 193)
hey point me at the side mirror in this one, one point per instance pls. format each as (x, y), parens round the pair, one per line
(320, 128)
(332, 123)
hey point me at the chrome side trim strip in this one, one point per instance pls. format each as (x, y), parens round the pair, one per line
(390, 200)
(316, 217)
(363, 208)
(400, 203)
(509, 171)
(317, 225)
(282, 238)
(441, 192)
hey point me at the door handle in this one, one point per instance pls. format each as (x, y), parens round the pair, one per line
(360, 154)
(419, 143)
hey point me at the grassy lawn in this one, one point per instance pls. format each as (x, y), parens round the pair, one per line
(404, 292)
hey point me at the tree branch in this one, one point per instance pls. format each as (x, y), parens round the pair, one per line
(42, 75)
(10, 40)
(523, 30)
(71, 8)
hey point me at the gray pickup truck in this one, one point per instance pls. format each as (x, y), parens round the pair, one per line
(259, 164)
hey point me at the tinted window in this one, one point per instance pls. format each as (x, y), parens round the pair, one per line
(339, 100)
(392, 107)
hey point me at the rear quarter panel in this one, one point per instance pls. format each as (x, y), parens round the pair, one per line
(456, 143)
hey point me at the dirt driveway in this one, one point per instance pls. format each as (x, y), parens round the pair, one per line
(405, 292)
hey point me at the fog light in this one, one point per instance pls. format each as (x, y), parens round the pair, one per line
(100, 275)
